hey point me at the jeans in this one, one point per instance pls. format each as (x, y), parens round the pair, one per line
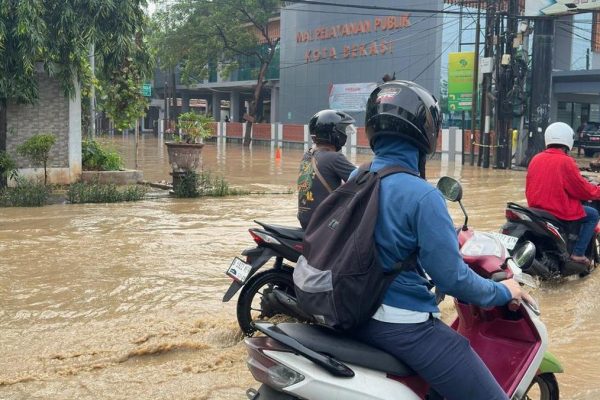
(586, 231)
(439, 355)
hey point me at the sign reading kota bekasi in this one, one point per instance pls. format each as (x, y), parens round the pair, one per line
(352, 29)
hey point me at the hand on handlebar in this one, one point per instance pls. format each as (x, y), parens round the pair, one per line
(517, 292)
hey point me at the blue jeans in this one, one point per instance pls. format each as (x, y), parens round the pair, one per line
(439, 355)
(586, 231)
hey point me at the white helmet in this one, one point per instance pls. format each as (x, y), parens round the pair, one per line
(559, 133)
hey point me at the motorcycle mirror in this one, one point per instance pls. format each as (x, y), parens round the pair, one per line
(524, 255)
(450, 188)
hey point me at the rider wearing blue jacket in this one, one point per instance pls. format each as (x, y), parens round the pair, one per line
(402, 124)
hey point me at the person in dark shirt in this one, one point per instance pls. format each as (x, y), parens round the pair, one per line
(323, 169)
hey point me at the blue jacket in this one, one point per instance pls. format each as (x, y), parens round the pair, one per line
(413, 214)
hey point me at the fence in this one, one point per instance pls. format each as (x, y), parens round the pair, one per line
(453, 143)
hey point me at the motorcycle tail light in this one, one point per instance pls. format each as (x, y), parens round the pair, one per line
(261, 238)
(265, 369)
(554, 230)
(513, 215)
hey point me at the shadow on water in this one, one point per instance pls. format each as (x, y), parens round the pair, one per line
(123, 301)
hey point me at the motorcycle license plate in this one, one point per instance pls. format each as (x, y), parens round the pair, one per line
(508, 241)
(238, 270)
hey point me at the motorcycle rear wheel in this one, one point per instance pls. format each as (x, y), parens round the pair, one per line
(251, 307)
(543, 387)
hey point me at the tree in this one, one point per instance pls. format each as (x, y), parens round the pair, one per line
(37, 149)
(203, 35)
(57, 34)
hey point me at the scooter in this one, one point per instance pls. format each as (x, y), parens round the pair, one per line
(275, 286)
(554, 240)
(302, 361)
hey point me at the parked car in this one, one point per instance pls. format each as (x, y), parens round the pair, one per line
(589, 138)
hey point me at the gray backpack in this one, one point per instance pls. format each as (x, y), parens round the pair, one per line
(338, 279)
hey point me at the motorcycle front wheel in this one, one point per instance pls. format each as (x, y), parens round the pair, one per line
(543, 387)
(254, 304)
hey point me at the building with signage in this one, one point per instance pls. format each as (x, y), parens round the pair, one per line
(328, 57)
(332, 57)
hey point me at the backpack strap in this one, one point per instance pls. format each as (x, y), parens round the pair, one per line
(407, 265)
(316, 169)
(394, 169)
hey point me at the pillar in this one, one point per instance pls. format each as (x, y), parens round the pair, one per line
(216, 106)
(234, 106)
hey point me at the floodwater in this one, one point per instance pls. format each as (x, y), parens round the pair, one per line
(123, 301)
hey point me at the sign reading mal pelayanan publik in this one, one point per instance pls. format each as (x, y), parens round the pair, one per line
(535, 8)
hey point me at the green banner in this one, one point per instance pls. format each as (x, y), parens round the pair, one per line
(460, 80)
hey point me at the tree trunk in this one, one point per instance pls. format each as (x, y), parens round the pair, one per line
(260, 81)
(3, 128)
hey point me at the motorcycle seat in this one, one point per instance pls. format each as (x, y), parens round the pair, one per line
(345, 349)
(287, 232)
(538, 212)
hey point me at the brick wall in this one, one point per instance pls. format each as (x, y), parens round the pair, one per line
(50, 114)
(293, 133)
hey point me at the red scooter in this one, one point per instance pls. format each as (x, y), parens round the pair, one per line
(302, 361)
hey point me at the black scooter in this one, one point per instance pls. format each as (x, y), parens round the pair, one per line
(554, 240)
(274, 286)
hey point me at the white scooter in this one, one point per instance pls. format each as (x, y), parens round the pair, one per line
(302, 361)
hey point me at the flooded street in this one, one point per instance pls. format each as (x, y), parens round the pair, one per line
(123, 301)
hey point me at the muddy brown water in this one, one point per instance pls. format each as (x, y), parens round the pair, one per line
(123, 301)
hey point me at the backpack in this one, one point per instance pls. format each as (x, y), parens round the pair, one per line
(338, 278)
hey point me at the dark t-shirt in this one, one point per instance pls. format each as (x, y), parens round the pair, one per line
(333, 166)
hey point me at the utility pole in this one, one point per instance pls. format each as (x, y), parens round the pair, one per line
(505, 81)
(92, 127)
(485, 121)
(475, 95)
(541, 85)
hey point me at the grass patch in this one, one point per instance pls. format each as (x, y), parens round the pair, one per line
(25, 194)
(82, 192)
(194, 184)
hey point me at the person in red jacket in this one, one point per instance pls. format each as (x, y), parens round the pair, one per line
(555, 184)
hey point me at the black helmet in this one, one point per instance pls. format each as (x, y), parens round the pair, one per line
(406, 110)
(331, 127)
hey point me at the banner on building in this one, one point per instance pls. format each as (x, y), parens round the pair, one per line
(350, 96)
(460, 81)
(536, 8)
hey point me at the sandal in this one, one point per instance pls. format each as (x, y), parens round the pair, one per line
(581, 260)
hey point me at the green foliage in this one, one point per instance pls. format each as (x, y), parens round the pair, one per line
(58, 34)
(193, 185)
(82, 192)
(37, 150)
(94, 157)
(188, 185)
(27, 193)
(8, 166)
(196, 35)
(121, 97)
(195, 126)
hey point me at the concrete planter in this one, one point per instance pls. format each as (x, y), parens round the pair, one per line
(184, 156)
(126, 177)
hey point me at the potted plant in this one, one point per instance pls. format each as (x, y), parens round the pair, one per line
(184, 152)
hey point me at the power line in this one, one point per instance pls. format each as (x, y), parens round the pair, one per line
(364, 7)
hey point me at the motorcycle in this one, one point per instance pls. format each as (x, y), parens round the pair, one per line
(554, 240)
(271, 292)
(302, 361)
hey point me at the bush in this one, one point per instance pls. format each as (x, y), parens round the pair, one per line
(82, 192)
(37, 150)
(94, 157)
(193, 185)
(26, 194)
(8, 166)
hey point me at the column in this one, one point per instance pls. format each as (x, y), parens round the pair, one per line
(185, 102)
(216, 106)
(234, 106)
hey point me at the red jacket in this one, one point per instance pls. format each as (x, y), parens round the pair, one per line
(555, 184)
